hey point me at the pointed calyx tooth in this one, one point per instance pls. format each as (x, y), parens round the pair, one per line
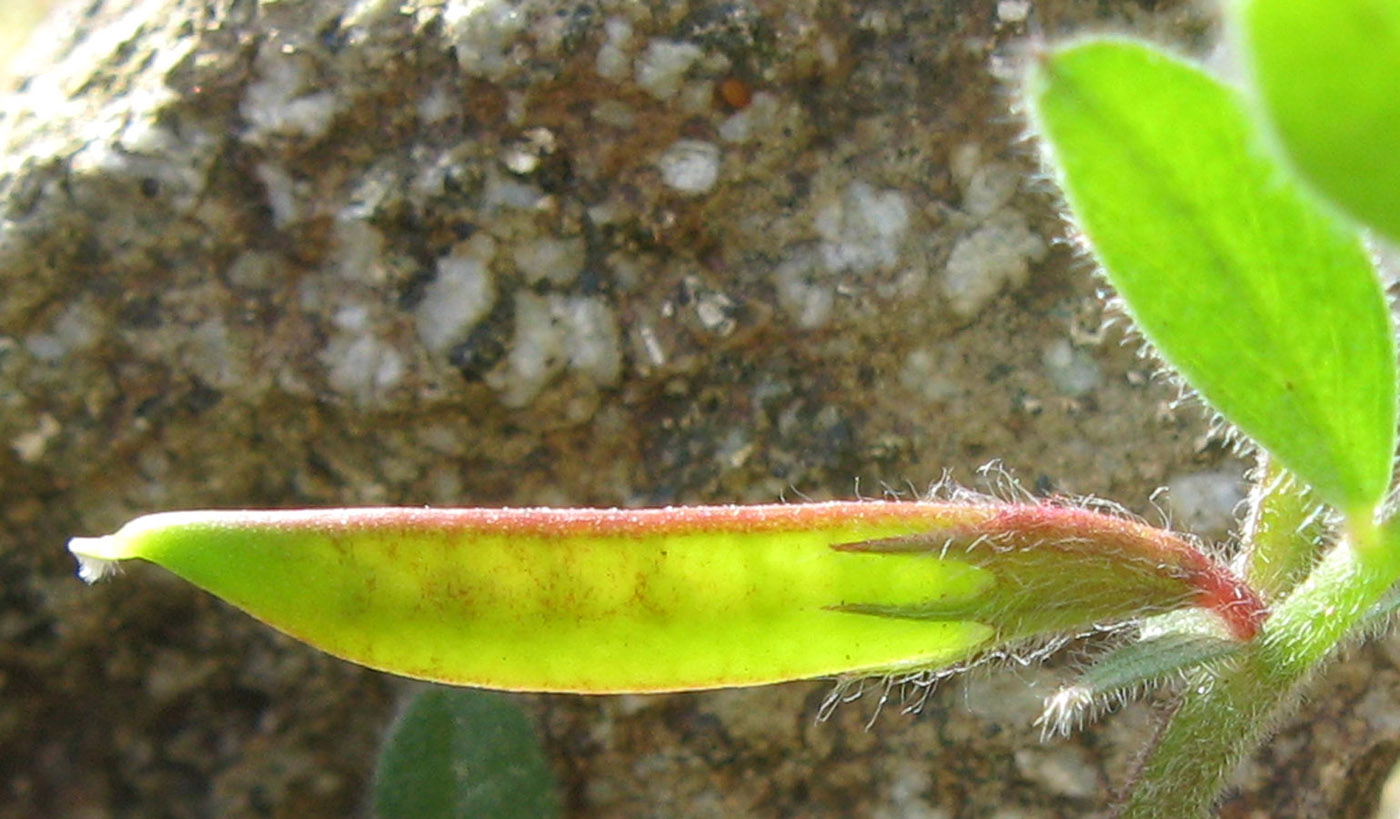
(1152, 659)
(1129, 669)
(1056, 563)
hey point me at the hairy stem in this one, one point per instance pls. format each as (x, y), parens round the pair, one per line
(1222, 716)
(1285, 531)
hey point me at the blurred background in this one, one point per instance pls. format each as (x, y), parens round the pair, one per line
(18, 18)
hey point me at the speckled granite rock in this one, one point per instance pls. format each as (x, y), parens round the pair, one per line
(318, 252)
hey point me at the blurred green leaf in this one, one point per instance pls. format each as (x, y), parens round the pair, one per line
(1268, 306)
(463, 753)
(1328, 75)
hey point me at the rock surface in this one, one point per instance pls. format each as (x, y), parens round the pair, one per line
(585, 252)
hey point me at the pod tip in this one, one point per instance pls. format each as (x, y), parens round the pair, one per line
(94, 559)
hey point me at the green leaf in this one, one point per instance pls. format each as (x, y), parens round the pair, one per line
(463, 753)
(1268, 306)
(1328, 75)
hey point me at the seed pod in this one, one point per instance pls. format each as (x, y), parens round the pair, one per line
(610, 601)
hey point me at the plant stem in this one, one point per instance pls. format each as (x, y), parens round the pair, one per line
(1285, 531)
(1222, 715)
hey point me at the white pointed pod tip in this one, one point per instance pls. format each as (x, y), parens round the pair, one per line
(97, 557)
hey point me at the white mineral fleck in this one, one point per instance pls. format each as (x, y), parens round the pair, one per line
(1013, 11)
(375, 185)
(1063, 769)
(605, 212)
(737, 127)
(517, 107)
(806, 291)
(432, 176)
(276, 104)
(1002, 699)
(503, 192)
(863, 229)
(661, 68)
(963, 162)
(1205, 502)
(909, 785)
(926, 374)
(549, 259)
(143, 136)
(523, 156)
(536, 353)
(459, 297)
(207, 352)
(752, 122)
(362, 367)
(281, 193)
(612, 60)
(30, 445)
(690, 166)
(696, 97)
(987, 259)
(1003, 69)
(369, 13)
(312, 293)
(352, 318)
(554, 333)
(357, 247)
(595, 343)
(100, 157)
(253, 269)
(615, 114)
(989, 188)
(829, 52)
(45, 347)
(482, 33)
(520, 160)
(1074, 372)
(1000, 250)
(436, 105)
(76, 328)
(649, 352)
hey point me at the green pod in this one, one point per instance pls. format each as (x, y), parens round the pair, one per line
(610, 601)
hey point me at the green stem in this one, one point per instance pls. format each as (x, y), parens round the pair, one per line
(1222, 716)
(1285, 531)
